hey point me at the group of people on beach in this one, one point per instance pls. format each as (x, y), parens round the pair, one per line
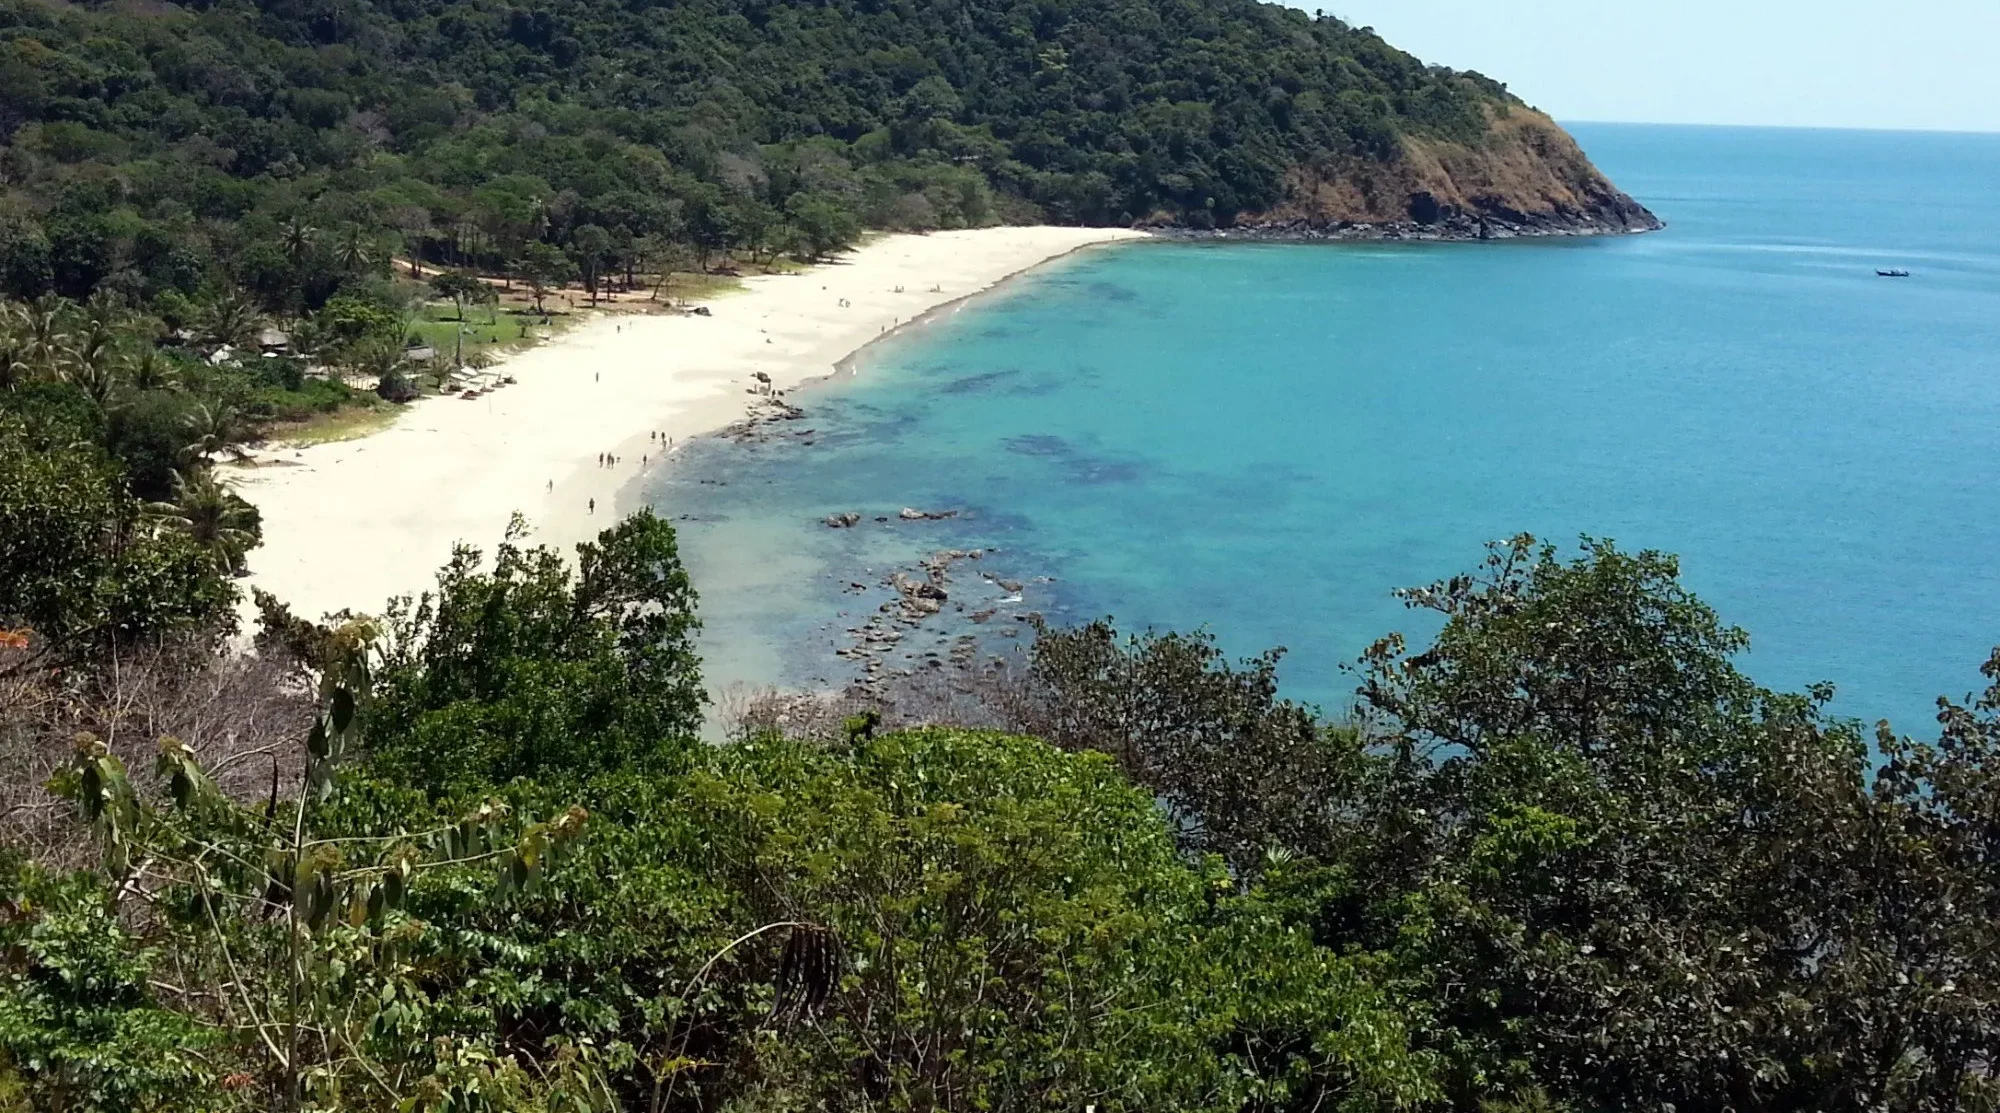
(659, 436)
(610, 460)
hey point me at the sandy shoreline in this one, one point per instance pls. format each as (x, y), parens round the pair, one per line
(353, 523)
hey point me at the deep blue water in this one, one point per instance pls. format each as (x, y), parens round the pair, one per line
(1268, 439)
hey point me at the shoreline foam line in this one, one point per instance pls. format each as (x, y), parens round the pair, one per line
(351, 524)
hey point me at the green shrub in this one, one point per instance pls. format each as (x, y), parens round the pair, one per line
(526, 671)
(79, 1026)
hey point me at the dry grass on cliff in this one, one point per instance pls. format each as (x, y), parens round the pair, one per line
(246, 716)
(1526, 164)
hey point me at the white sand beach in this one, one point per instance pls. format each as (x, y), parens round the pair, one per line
(352, 523)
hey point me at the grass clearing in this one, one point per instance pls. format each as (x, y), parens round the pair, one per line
(701, 287)
(344, 424)
(484, 328)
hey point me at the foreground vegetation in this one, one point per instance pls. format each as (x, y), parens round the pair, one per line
(470, 855)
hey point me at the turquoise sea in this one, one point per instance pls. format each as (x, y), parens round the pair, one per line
(1267, 439)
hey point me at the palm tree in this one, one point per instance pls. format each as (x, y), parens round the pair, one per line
(373, 358)
(93, 359)
(212, 427)
(296, 237)
(215, 517)
(94, 370)
(354, 253)
(384, 360)
(43, 322)
(15, 365)
(440, 371)
(150, 370)
(106, 310)
(232, 321)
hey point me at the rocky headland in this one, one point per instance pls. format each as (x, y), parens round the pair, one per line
(1526, 177)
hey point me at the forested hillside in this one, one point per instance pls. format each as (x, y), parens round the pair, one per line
(162, 150)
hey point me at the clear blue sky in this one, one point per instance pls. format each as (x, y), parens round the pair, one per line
(1807, 63)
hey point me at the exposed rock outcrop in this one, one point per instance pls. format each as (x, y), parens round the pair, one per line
(1525, 177)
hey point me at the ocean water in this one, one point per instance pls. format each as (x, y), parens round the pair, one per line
(1268, 439)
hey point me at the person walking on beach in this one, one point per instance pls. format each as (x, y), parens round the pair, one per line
(593, 506)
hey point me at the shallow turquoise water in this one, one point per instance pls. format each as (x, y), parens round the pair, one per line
(1268, 439)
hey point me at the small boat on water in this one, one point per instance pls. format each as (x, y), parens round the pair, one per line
(1892, 274)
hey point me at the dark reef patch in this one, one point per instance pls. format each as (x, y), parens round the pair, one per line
(1077, 465)
(1039, 444)
(986, 381)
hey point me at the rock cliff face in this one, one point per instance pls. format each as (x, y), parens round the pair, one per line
(1526, 177)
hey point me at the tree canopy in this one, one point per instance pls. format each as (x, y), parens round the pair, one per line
(79, 567)
(517, 672)
(1607, 868)
(1565, 856)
